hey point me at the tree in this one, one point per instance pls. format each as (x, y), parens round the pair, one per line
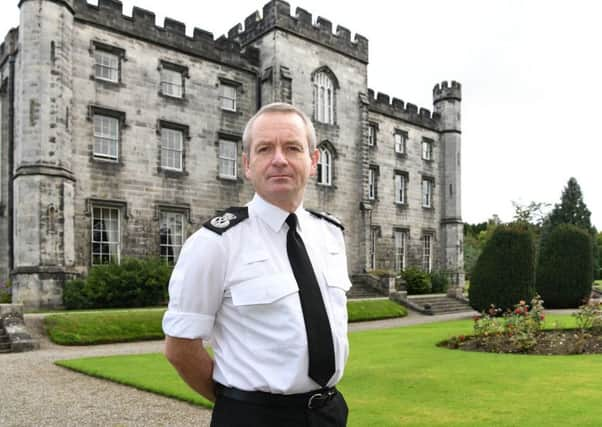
(534, 213)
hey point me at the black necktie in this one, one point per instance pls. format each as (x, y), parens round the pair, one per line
(317, 326)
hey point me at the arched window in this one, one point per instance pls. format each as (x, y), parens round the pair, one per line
(325, 167)
(324, 96)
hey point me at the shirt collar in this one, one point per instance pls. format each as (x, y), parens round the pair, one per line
(274, 216)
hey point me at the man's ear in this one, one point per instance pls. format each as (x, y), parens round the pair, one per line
(315, 157)
(245, 165)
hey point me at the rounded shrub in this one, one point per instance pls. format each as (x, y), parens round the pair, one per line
(564, 271)
(74, 294)
(439, 282)
(505, 271)
(417, 281)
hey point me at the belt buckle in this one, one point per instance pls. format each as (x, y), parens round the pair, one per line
(319, 398)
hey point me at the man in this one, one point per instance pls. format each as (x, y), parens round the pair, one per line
(266, 283)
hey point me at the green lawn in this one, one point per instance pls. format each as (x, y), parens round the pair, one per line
(398, 377)
(106, 326)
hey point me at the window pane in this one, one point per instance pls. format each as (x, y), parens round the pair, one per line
(106, 136)
(105, 235)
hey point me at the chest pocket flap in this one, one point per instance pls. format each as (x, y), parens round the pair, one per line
(263, 290)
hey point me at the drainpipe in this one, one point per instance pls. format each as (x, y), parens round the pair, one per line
(11, 158)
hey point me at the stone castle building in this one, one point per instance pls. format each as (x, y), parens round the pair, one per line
(120, 138)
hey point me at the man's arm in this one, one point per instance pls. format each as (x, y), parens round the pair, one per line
(193, 363)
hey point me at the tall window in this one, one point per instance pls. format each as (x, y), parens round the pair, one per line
(427, 149)
(323, 98)
(325, 167)
(171, 234)
(427, 193)
(228, 96)
(372, 249)
(401, 185)
(399, 140)
(427, 241)
(401, 237)
(227, 159)
(105, 235)
(171, 148)
(372, 129)
(107, 65)
(371, 184)
(106, 136)
(172, 83)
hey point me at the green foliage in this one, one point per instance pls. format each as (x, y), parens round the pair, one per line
(472, 250)
(417, 281)
(374, 310)
(505, 271)
(571, 209)
(439, 281)
(5, 292)
(564, 273)
(133, 283)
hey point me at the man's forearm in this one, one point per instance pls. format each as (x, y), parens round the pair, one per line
(193, 363)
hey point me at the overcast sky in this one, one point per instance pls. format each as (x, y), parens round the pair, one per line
(531, 74)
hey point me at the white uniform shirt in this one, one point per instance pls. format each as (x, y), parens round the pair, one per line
(238, 290)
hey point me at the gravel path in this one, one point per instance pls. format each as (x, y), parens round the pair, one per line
(35, 392)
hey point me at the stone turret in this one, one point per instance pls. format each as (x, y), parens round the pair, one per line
(43, 177)
(447, 101)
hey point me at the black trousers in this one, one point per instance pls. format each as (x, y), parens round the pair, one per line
(235, 413)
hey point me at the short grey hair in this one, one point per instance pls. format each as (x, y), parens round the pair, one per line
(280, 107)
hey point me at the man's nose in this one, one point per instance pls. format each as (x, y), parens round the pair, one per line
(279, 157)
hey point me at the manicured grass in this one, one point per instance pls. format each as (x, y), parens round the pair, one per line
(374, 309)
(398, 377)
(107, 326)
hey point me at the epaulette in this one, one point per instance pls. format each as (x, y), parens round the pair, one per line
(231, 217)
(328, 217)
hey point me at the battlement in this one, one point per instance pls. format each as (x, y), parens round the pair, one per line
(396, 108)
(446, 90)
(109, 14)
(9, 45)
(277, 15)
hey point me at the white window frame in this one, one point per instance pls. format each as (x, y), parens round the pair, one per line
(427, 150)
(371, 184)
(324, 92)
(177, 236)
(106, 65)
(400, 243)
(228, 163)
(399, 142)
(111, 246)
(401, 186)
(372, 254)
(427, 252)
(104, 139)
(172, 82)
(372, 130)
(325, 167)
(427, 193)
(172, 148)
(228, 96)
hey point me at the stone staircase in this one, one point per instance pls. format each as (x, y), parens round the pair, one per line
(438, 304)
(364, 286)
(4, 340)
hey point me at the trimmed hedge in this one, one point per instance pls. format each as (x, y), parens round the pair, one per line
(439, 282)
(505, 271)
(417, 281)
(133, 283)
(564, 273)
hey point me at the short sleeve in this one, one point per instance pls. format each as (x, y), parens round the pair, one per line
(196, 287)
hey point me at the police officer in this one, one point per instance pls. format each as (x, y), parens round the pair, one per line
(266, 285)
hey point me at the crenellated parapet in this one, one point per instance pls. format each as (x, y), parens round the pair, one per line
(9, 45)
(447, 91)
(396, 108)
(109, 14)
(277, 15)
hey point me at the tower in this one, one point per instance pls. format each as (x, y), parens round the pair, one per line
(42, 176)
(447, 101)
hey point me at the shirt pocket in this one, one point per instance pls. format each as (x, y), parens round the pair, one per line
(338, 284)
(263, 290)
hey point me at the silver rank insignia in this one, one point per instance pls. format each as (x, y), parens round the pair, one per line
(223, 221)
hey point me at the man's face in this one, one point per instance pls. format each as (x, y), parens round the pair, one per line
(279, 162)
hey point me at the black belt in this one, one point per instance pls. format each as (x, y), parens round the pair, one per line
(312, 400)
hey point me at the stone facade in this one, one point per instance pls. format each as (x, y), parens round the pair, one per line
(57, 100)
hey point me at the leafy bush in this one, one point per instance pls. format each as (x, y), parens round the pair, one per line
(133, 283)
(505, 271)
(439, 282)
(564, 273)
(5, 292)
(417, 281)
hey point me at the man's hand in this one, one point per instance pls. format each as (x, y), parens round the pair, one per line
(193, 363)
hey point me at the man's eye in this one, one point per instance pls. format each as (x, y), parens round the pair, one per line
(261, 149)
(295, 148)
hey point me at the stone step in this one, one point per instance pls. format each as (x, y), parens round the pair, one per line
(4, 338)
(5, 346)
(440, 304)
